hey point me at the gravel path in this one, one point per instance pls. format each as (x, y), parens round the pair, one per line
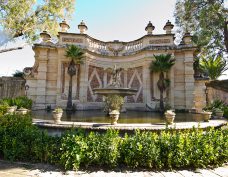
(8, 169)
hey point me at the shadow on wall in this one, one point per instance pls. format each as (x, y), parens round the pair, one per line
(11, 87)
(217, 90)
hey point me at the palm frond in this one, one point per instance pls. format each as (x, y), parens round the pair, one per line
(162, 63)
(214, 67)
(75, 53)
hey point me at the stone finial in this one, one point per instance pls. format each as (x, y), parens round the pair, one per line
(45, 36)
(82, 27)
(149, 28)
(168, 27)
(187, 38)
(64, 26)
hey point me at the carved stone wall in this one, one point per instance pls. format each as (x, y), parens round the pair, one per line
(95, 80)
(11, 87)
(135, 81)
(217, 90)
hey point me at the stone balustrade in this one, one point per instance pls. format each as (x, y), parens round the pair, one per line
(116, 48)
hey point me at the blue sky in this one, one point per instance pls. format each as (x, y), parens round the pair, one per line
(107, 20)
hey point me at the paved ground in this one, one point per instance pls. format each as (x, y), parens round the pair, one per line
(8, 169)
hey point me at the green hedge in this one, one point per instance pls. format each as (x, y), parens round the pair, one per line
(20, 140)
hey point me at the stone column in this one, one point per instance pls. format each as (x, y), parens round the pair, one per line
(189, 80)
(41, 80)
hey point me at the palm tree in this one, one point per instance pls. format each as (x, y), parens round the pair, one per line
(214, 66)
(77, 57)
(162, 64)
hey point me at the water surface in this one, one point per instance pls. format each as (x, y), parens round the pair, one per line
(98, 116)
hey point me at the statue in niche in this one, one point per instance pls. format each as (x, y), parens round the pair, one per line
(115, 79)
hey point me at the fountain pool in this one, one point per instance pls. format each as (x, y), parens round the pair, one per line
(98, 116)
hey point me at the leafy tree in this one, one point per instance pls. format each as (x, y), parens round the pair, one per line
(27, 18)
(208, 20)
(162, 64)
(213, 66)
(18, 74)
(77, 57)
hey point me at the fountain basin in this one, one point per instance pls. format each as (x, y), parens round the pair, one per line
(115, 91)
(58, 129)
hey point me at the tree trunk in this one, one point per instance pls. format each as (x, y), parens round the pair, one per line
(78, 81)
(69, 100)
(71, 71)
(226, 35)
(161, 87)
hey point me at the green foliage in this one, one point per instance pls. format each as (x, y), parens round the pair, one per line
(18, 74)
(208, 22)
(20, 140)
(3, 109)
(225, 114)
(99, 149)
(20, 102)
(162, 63)
(213, 66)
(58, 110)
(113, 102)
(75, 53)
(217, 104)
(27, 18)
(103, 149)
(193, 148)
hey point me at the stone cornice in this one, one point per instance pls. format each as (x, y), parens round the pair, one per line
(123, 42)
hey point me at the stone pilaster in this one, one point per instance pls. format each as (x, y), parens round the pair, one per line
(172, 87)
(83, 82)
(200, 95)
(60, 78)
(41, 80)
(146, 83)
(189, 80)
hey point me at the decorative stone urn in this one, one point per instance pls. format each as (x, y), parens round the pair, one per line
(206, 115)
(11, 109)
(170, 116)
(218, 113)
(114, 116)
(22, 111)
(57, 115)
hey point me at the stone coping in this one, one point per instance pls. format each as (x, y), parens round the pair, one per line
(49, 124)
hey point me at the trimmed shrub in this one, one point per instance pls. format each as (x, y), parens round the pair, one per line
(20, 140)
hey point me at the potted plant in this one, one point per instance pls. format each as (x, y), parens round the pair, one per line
(206, 115)
(114, 116)
(11, 109)
(170, 116)
(57, 115)
(113, 105)
(218, 112)
(22, 111)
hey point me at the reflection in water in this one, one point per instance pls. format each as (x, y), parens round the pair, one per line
(128, 117)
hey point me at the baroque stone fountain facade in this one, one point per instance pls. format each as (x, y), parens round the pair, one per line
(47, 81)
(115, 93)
